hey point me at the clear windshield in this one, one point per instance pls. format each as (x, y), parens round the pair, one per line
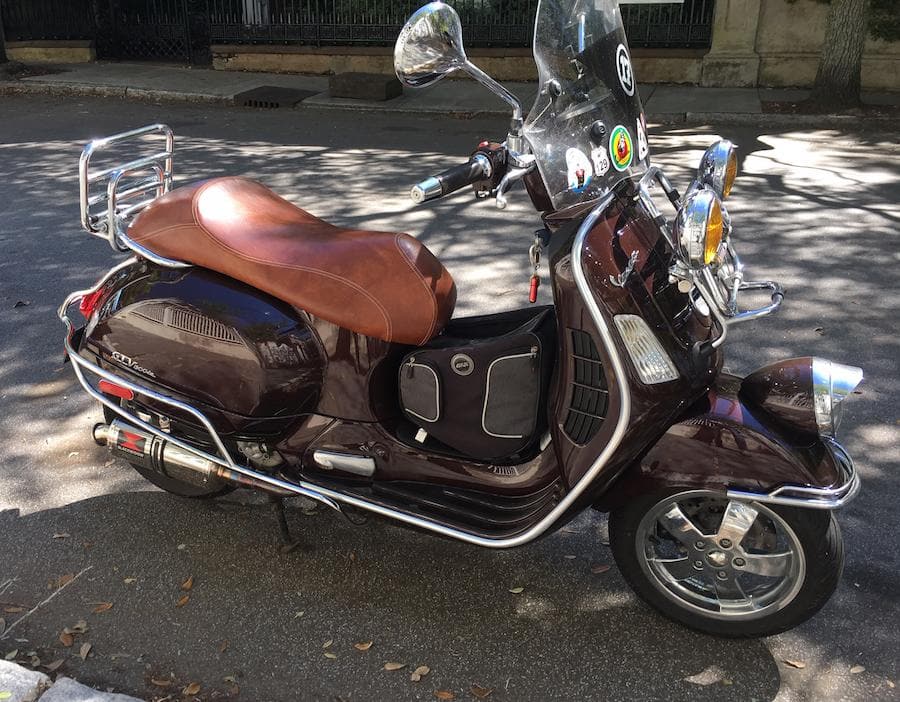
(587, 127)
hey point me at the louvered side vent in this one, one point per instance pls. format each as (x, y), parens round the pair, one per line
(590, 394)
(188, 321)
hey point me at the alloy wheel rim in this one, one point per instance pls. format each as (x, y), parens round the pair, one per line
(726, 559)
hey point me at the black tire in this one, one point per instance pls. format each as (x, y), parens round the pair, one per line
(172, 485)
(819, 537)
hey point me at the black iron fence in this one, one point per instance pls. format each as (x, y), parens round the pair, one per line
(184, 29)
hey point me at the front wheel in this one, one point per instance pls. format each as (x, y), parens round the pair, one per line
(727, 567)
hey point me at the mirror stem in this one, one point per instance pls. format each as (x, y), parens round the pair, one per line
(515, 130)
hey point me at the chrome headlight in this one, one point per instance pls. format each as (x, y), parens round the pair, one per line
(698, 227)
(718, 168)
(832, 382)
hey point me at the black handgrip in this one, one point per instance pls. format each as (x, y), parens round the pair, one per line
(449, 181)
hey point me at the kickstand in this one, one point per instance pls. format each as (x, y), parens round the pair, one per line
(284, 538)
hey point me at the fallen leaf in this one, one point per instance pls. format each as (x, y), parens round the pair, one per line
(709, 676)
(230, 679)
(160, 683)
(21, 303)
(297, 615)
(517, 590)
(890, 684)
(820, 331)
(364, 646)
(800, 665)
(481, 692)
(61, 536)
(223, 646)
(12, 654)
(444, 695)
(34, 661)
(130, 581)
(419, 673)
(13, 610)
(600, 568)
(85, 650)
(394, 666)
(102, 607)
(857, 669)
(5, 694)
(191, 689)
(182, 601)
(66, 639)
(188, 584)
(330, 654)
(80, 627)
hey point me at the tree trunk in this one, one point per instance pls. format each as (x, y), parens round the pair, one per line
(838, 80)
(2, 36)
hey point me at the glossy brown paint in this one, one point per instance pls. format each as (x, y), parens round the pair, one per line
(723, 442)
(242, 356)
(784, 390)
(360, 378)
(626, 230)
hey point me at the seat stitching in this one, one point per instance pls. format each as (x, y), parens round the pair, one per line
(365, 293)
(418, 274)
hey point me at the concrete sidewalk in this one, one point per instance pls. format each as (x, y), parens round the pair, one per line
(159, 83)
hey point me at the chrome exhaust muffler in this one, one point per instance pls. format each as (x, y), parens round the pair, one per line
(154, 453)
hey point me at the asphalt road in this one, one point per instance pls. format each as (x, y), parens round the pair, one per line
(817, 210)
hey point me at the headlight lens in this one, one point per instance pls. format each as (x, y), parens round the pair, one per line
(698, 227)
(718, 168)
(832, 382)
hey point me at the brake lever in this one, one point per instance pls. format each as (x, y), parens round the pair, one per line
(522, 164)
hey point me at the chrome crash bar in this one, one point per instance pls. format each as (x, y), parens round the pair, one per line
(832, 497)
(710, 285)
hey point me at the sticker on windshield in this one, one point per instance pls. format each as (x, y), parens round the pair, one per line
(600, 161)
(578, 169)
(643, 146)
(623, 68)
(621, 150)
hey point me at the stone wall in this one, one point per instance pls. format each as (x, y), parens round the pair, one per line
(774, 43)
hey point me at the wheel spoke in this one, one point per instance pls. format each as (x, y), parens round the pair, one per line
(736, 522)
(769, 564)
(731, 596)
(677, 568)
(678, 525)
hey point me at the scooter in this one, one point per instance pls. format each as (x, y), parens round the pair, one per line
(247, 343)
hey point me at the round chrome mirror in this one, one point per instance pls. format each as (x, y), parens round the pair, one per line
(429, 46)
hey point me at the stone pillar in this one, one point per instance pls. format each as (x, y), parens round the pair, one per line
(732, 60)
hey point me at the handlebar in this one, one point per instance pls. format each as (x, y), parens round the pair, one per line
(453, 179)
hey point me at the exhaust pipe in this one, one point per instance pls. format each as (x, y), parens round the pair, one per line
(153, 453)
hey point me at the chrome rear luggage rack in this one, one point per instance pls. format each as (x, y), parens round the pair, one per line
(126, 189)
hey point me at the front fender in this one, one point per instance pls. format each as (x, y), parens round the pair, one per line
(723, 443)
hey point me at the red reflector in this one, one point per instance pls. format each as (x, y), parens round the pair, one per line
(115, 390)
(89, 303)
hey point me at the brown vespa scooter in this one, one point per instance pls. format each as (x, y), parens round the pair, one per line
(248, 343)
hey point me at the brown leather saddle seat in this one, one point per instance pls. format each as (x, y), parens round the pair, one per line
(381, 284)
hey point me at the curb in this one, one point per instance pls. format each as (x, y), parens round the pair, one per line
(757, 119)
(24, 685)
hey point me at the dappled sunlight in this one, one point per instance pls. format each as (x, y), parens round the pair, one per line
(816, 210)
